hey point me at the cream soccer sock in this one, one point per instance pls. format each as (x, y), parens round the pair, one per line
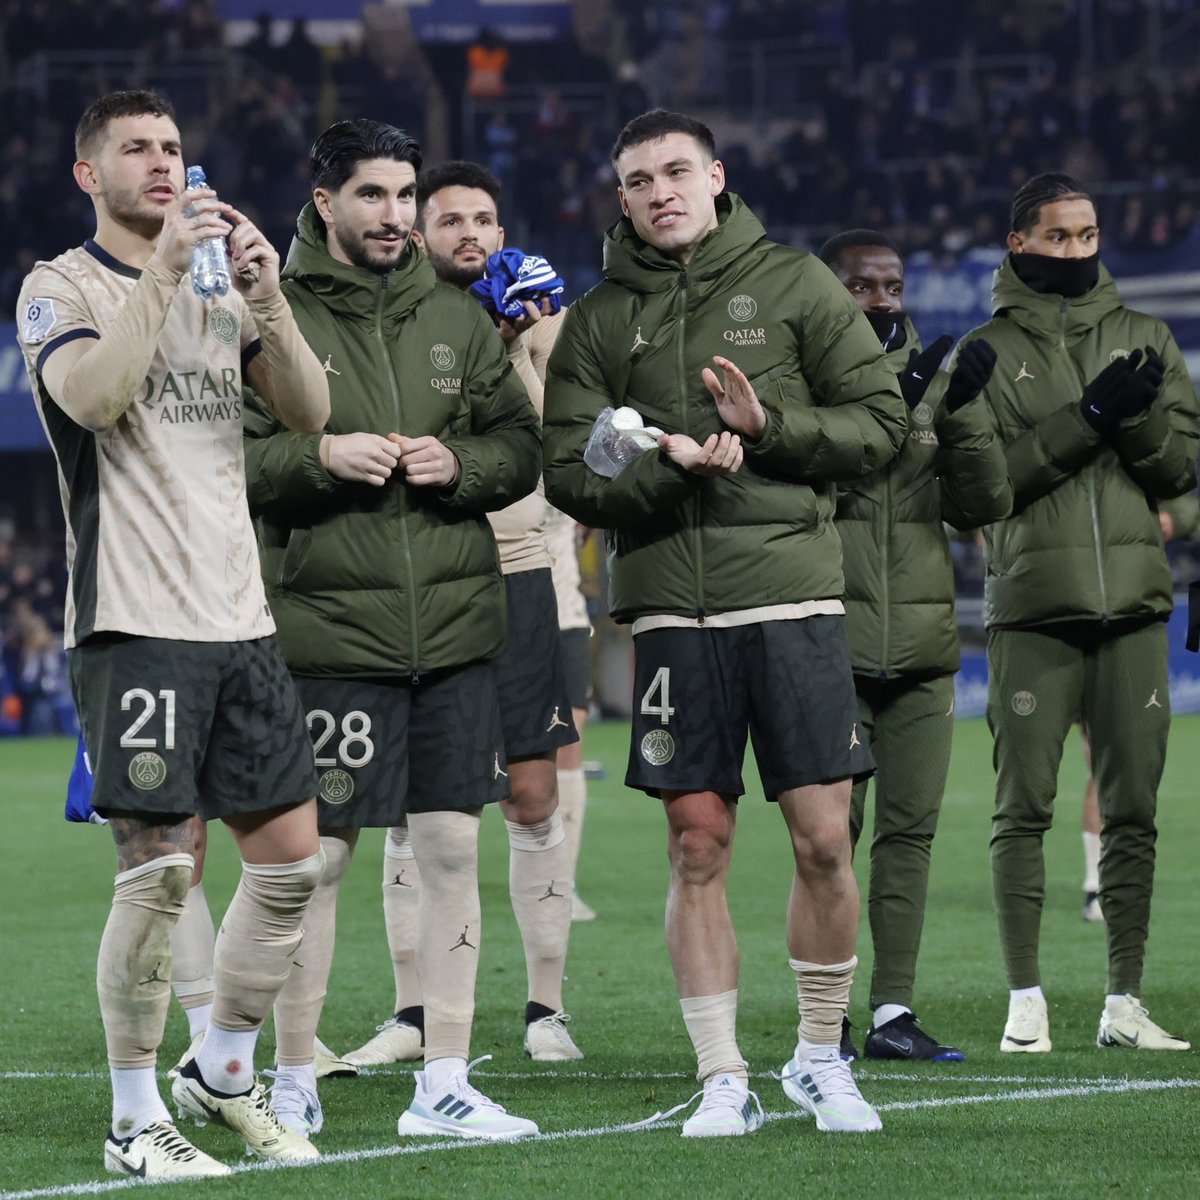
(572, 805)
(301, 999)
(255, 946)
(712, 1025)
(823, 995)
(133, 973)
(540, 885)
(446, 845)
(133, 968)
(401, 899)
(192, 947)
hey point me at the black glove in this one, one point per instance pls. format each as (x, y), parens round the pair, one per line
(1143, 385)
(976, 361)
(1103, 398)
(920, 369)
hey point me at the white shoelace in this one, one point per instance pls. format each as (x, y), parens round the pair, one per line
(722, 1091)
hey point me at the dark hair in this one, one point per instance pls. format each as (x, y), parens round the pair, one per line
(1044, 189)
(94, 122)
(654, 125)
(339, 150)
(830, 251)
(456, 173)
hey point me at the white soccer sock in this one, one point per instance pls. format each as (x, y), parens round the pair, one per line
(136, 1102)
(439, 1072)
(572, 804)
(1018, 994)
(226, 1059)
(540, 885)
(1110, 1001)
(198, 1018)
(1091, 862)
(304, 1074)
(888, 1012)
(401, 904)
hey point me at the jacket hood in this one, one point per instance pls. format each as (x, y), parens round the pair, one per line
(1042, 314)
(638, 266)
(349, 289)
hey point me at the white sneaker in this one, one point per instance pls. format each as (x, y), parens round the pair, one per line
(728, 1108)
(160, 1151)
(1027, 1030)
(1127, 1023)
(295, 1102)
(547, 1040)
(1092, 912)
(248, 1115)
(394, 1041)
(581, 911)
(187, 1056)
(329, 1066)
(460, 1110)
(826, 1088)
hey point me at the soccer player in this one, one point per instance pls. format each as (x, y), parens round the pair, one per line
(900, 619)
(1177, 519)
(726, 561)
(184, 700)
(458, 227)
(1099, 423)
(383, 575)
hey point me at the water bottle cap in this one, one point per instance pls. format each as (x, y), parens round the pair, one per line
(196, 177)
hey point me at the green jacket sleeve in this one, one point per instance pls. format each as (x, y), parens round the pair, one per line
(1158, 448)
(284, 473)
(859, 421)
(501, 456)
(970, 464)
(1048, 454)
(576, 394)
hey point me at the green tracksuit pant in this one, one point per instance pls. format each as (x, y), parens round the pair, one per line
(1039, 684)
(910, 723)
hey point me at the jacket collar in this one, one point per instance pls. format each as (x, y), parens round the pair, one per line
(1046, 316)
(349, 289)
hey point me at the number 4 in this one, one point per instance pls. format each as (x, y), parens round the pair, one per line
(661, 683)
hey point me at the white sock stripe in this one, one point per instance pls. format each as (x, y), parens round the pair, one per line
(155, 864)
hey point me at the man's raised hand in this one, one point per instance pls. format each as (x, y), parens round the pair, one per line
(736, 401)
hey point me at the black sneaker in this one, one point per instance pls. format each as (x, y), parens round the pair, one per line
(846, 1049)
(902, 1037)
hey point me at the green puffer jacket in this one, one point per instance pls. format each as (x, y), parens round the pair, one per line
(690, 546)
(1083, 541)
(899, 577)
(393, 580)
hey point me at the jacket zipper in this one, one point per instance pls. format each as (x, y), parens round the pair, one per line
(697, 506)
(405, 543)
(885, 545)
(1093, 497)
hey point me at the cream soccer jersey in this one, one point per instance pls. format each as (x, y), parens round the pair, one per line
(159, 538)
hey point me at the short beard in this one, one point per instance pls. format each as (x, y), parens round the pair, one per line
(124, 211)
(460, 277)
(355, 249)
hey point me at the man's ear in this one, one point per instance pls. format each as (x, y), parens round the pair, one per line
(1015, 243)
(499, 237)
(716, 177)
(419, 241)
(621, 200)
(85, 176)
(323, 203)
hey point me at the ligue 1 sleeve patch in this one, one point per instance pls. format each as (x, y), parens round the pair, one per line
(38, 320)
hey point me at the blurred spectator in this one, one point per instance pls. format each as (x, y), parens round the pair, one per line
(487, 61)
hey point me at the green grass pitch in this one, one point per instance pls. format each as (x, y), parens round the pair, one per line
(1079, 1122)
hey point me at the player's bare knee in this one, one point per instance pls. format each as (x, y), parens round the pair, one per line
(699, 854)
(530, 805)
(823, 849)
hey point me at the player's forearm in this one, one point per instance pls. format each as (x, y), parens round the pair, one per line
(286, 372)
(109, 376)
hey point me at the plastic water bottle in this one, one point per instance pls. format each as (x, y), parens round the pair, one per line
(210, 258)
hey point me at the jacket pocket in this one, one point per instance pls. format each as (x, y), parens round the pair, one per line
(295, 556)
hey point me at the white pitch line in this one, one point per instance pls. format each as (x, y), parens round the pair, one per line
(948, 1076)
(100, 1187)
